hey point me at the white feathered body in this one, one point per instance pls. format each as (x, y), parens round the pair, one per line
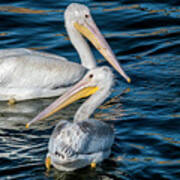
(78, 144)
(29, 74)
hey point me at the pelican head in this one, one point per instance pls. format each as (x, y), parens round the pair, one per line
(79, 22)
(97, 81)
(77, 13)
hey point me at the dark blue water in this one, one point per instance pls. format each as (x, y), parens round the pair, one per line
(145, 36)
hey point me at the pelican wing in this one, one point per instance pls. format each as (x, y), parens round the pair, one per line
(4, 53)
(27, 74)
(85, 137)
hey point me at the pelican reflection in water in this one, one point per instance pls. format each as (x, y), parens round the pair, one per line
(27, 74)
(84, 141)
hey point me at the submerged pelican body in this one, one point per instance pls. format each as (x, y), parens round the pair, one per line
(84, 141)
(29, 74)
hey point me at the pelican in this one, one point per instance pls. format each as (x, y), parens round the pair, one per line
(85, 141)
(28, 74)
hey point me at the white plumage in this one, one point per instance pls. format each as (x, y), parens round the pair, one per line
(28, 74)
(76, 144)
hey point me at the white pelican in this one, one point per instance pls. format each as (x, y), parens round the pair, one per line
(84, 141)
(27, 74)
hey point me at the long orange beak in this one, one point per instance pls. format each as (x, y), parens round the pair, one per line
(80, 90)
(92, 33)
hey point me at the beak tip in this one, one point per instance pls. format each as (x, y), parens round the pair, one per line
(129, 80)
(27, 125)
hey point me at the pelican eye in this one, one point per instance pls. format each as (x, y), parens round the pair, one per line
(91, 76)
(86, 15)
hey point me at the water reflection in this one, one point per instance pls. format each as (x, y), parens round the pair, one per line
(135, 6)
(23, 10)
